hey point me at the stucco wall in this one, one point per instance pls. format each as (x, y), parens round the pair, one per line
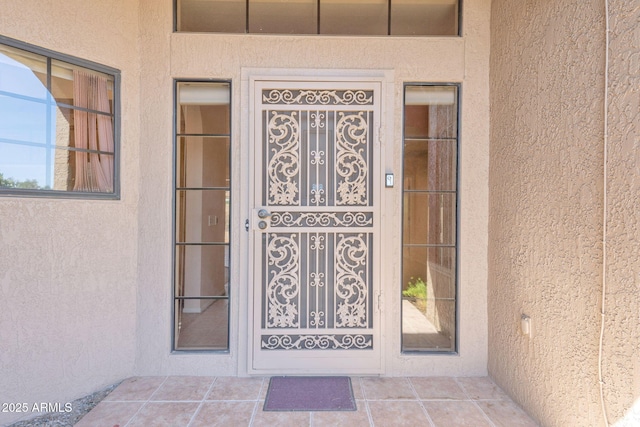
(546, 208)
(68, 267)
(621, 355)
(169, 56)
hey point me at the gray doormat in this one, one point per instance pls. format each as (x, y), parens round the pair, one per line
(310, 394)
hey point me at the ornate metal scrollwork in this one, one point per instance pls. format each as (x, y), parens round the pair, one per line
(317, 284)
(351, 141)
(317, 157)
(317, 342)
(317, 191)
(317, 97)
(351, 284)
(283, 167)
(316, 318)
(324, 219)
(317, 120)
(284, 282)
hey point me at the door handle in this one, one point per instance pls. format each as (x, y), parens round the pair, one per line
(263, 213)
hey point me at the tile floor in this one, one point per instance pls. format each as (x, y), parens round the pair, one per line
(228, 401)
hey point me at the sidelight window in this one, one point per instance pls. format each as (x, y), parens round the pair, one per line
(202, 203)
(429, 224)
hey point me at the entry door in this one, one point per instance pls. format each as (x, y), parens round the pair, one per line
(315, 224)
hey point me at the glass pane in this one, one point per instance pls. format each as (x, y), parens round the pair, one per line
(62, 134)
(87, 178)
(424, 18)
(203, 162)
(356, 17)
(68, 176)
(202, 324)
(203, 108)
(431, 112)
(22, 120)
(24, 166)
(63, 130)
(98, 92)
(428, 272)
(429, 218)
(283, 16)
(428, 327)
(430, 164)
(64, 169)
(213, 16)
(31, 167)
(202, 270)
(202, 216)
(23, 73)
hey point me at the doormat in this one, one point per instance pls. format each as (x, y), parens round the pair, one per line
(310, 394)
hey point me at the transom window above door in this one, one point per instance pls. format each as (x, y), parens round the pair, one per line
(327, 17)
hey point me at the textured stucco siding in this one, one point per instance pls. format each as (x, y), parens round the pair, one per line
(621, 355)
(546, 208)
(68, 267)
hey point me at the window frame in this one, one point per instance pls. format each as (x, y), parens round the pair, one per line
(174, 244)
(50, 56)
(456, 342)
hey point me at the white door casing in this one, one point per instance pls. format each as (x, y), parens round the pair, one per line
(314, 227)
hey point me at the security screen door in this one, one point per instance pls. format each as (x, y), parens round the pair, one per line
(314, 225)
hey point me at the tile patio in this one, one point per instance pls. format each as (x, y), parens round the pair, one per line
(229, 401)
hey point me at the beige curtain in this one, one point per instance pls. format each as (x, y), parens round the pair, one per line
(92, 131)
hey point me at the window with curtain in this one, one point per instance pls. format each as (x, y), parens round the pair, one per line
(58, 122)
